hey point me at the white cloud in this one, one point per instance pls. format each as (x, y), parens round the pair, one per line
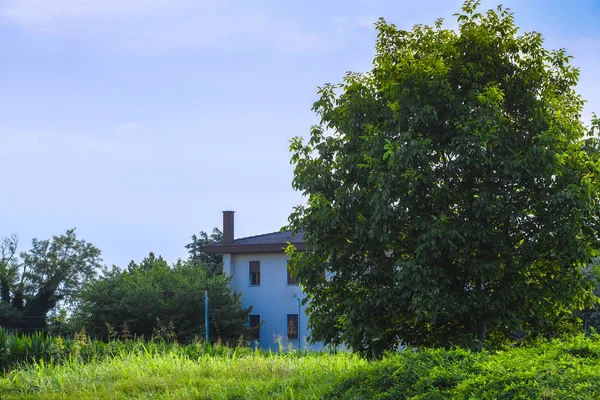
(128, 128)
(50, 148)
(361, 22)
(365, 21)
(289, 37)
(159, 26)
(50, 12)
(224, 32)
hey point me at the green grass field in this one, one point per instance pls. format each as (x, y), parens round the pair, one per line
(172, 376)
(51, 368)
(45, 367)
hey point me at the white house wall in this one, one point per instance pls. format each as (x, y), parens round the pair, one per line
(273, 299)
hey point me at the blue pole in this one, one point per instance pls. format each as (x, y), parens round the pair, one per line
(299, 334)
(206, 315)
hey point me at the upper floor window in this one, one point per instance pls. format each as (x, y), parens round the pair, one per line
(291, 279)
(254, 273)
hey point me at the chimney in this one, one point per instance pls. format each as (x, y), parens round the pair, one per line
(228, 227)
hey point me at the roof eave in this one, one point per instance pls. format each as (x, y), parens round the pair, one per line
(250, 248)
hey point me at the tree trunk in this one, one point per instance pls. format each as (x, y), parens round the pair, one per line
(481, 332)
(4, 290)
(18, 300)
(481, 322)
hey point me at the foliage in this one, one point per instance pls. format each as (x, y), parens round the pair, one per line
(9, 268)
(591, 315)
(52, 272)
(153, 297)
(562, 369)
(83, 368)
(20, 349)
(212, 262)
(452, 191)
(134, 369)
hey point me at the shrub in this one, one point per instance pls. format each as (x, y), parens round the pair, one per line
(561, 369)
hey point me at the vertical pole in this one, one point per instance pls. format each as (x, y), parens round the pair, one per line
(206, 316)
(299, 333)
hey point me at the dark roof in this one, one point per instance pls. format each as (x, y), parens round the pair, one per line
(268, 242)
(271, 238)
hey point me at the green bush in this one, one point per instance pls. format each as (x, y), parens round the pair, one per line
(562, 369)
(153, 298)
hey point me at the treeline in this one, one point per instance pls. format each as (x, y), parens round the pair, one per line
(60, 287)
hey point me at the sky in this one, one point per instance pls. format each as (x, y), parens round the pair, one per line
(138, 121)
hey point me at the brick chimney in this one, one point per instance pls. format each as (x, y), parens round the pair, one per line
(228, 225)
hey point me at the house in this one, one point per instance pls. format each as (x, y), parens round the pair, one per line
(258, 267)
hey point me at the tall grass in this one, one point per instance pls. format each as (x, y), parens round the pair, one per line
(173, 375)
(37, 366)
(18, 350)
(78, 368)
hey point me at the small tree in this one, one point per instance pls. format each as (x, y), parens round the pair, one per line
(452, 191)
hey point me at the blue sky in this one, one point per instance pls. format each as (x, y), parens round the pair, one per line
(138, 121)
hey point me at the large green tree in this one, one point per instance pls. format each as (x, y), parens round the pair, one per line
(151, 295)
(451, 191)
(51, 273)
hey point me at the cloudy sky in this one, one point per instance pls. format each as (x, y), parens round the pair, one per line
(138, 121)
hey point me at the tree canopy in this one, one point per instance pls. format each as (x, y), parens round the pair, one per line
(212, 262)
(451, 191)
(52, 272)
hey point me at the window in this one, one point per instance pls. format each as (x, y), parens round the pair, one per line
(291, 279)
(255, 326)
(292, 326)
(254, 273)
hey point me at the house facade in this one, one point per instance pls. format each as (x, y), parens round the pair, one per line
(258, 269)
